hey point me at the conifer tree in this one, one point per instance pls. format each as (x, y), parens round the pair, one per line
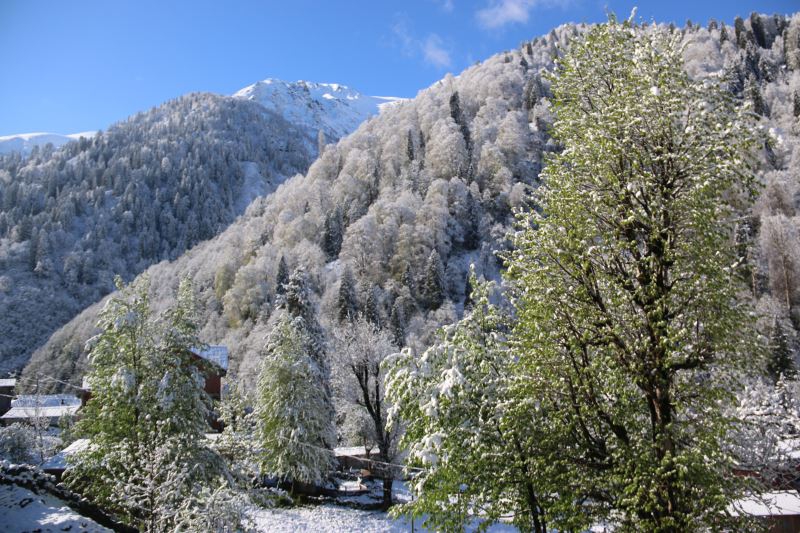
(333, 233)
(283, 276)
(626, 290)
(347, 302)
(372, 308)
(781, 359)
(294, 423)
(397, 323)
(432, 289)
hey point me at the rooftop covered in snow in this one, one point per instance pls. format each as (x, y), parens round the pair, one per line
(216, 354)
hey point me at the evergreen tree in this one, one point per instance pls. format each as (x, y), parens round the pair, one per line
(148, 413)
(740, 32)
(472, 234)
(723, 34)
(458, 116)
(781, 360)
(432, 289)
(333, 233)
(626, 255)
(754, 92)
(294, 423)
(372, 308)
(299, 305)
(759, 33)
(397, 323)
(796, 104)
(283, 276)
(347, 302)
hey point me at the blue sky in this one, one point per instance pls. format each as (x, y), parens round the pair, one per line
(72, 66)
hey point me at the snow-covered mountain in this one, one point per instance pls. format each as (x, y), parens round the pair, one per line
(24, 142)
(145, 190)
(337, 109)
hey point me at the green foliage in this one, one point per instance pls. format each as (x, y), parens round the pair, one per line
(294, 417)
(148, 412)
(629, 326)
(461, 426)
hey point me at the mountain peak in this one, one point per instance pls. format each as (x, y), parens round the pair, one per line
(337, 108)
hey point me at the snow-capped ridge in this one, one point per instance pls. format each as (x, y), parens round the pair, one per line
(337, 108)
(24, 142)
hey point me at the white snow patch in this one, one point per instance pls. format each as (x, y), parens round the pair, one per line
(336, 109)
(23, 510)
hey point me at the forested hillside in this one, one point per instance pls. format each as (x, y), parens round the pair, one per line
(387, 221)
(145, 191)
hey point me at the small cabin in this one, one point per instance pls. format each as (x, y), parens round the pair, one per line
(7, 389)
(779, 510)
(218, 357)
(53, 407)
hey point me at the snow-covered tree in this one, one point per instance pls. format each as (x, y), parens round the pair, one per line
(294, 421)
(628, 316)
(359, 351)
(475, 448)
(148, 412)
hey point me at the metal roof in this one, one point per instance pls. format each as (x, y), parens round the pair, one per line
(59, 460)
(45, 400)
(8, 382)
(216, 354)
(20, 413)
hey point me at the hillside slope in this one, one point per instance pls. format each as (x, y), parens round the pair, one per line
(407, 202)
(146, 190)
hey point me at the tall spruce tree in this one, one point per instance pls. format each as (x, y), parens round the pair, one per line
(347, 302)
(294, 424)
(628, 320)
(781, 360)
(148, 412)
(432, 289)
(282, 278)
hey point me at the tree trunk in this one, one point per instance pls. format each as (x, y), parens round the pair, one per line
(387, 490)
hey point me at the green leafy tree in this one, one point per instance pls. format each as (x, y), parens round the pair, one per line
(462, 428)
(629, 321)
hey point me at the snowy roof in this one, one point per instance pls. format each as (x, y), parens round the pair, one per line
(45, 400)
(350, 451)
(779, 503)
(216, 354)
(59, 460)
(45, 412)
(8, 382)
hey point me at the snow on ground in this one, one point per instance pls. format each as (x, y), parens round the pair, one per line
(333, 519)
(23, 510)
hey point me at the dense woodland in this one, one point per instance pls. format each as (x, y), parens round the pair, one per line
(408, 225)
(145, 191)
(398, 211)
